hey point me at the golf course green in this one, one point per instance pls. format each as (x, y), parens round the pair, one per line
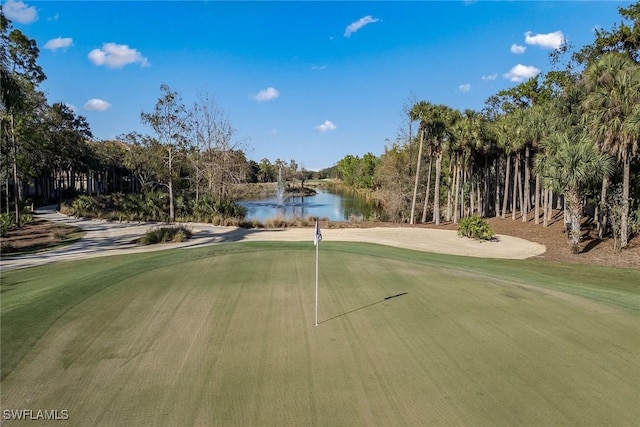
(224, 335)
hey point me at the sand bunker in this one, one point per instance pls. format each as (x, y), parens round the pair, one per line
(112, 238)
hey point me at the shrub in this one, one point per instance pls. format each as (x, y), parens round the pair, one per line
(26, 218)
(6, 223)
(475, 228)
(83, 205)
(58, 233)
(166, 235)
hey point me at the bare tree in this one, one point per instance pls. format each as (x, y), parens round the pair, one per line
(220, 160)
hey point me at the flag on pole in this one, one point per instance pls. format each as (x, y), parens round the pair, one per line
(316, 240)
(318, 235)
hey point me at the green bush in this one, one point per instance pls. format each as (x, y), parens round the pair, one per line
(152, 206)
(6, 223)
(166, 235)
(83, 205)
(475, 228)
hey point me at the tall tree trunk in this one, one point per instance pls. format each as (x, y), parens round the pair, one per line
(172, 212)
(426, 196)
(480, 205)
(545, 208)
(485, 191)
(463, 179)
(624, 222)
(537, 200)
(415, 185)
(456, 210)
(575, 218)
(516, 187)
(436, 190)
(16, 182)
(507, 171)
(550, 205)
(452, 183)
(472, 195)
(602, 214)
(7, 195)
(496, 199)
(527, 185)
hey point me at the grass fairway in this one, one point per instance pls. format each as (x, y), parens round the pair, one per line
(224, 335)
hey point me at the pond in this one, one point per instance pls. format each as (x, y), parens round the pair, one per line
(327, 203)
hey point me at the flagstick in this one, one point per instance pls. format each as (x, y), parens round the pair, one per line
(317, 247)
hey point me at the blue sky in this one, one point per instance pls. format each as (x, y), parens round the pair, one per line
(310, 81)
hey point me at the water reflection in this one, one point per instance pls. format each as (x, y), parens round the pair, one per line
(331, 204)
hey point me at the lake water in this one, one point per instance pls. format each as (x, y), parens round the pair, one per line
(334, 205)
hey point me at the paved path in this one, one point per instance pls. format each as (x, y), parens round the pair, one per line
(105, 238)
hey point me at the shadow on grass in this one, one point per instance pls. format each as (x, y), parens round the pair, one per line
(363, 307)
(209, 236)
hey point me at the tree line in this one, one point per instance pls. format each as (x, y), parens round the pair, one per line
(49, 153)
(567, 140)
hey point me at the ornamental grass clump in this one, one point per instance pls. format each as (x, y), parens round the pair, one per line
(475, 228)
(166, 235)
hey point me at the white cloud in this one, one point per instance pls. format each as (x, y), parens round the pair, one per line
(117, 56)
(355, 26)
(520, 73)
(97, 105)
(326, 126)
(490, 77)
(19, 12)
(517, 49)
(59, 43)
(319, 67)
(464, 88)
(551, 40)
(267, 94)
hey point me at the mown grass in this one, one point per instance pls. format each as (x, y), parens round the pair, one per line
(224, 335)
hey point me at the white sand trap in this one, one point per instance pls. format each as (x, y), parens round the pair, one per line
(422, 239)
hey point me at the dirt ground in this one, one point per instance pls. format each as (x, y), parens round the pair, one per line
(43, 234)
(592, 250)
(38, 235)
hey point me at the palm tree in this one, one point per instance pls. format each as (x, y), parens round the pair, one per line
(419, 111)
(443, 119)
(611, 110)
(468, 139)
(435, 121)
(517, 141)
(502, 128)
(535, 128)
(572, 164)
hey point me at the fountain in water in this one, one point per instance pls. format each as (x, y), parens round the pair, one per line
(280, 189)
